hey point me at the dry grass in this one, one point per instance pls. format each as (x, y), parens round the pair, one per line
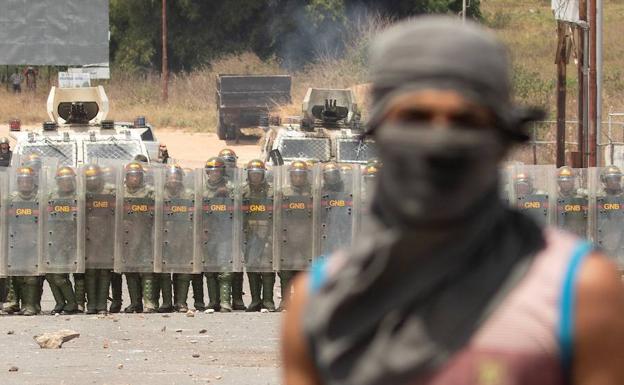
(527, 26)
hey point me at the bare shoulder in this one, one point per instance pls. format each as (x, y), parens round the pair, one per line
(599, 326)
(298, 367)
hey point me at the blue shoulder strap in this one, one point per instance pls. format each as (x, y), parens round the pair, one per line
(318, 274)
(567, 308)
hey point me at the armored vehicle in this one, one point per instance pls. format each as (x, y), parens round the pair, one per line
(329, 130)
(79, 133)
(245, 101)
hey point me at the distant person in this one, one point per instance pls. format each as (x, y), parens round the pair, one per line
(30, 73)
(163, 154)
(5, 152)
(16, 80)
(452, 287)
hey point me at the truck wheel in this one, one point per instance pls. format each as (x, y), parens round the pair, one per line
(221, 129)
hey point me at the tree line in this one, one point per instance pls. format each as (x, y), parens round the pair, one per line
(295, 32)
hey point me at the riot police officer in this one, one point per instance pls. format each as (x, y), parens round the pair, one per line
(178, 240)
(100, 236)
(230, 158)
(571, 203)
(296, 225)
(5, 152)
(217, 235)
(25, 286)
(141, 285)
(258, 238)
(60, 285)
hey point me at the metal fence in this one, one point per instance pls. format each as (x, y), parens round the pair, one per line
(541, 148)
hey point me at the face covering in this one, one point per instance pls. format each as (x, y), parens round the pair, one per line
(434, 175)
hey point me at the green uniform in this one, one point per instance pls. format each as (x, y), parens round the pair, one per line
(217, 248)
(258, 251)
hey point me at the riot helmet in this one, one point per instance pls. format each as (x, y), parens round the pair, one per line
(331, 174)
(134, 176)
(523, 184)
(611, 178)
(215, 170)
(174, 179)
(298, 172)
(229, 157)
(256, 171)
(566, 180)
(26, 181)
(94, 178)
(65, 180)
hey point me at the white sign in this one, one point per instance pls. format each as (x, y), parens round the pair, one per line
(566, 10)
(73, 80)
(96, 71)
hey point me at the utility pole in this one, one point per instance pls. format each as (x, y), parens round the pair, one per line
(165, 69)
(582, 84)
(464, 11)
(561, 60)
(593, 95)
(599, 23)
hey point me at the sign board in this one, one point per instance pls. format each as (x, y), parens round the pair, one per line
(566, 10)
(73, 80)
(94, 71)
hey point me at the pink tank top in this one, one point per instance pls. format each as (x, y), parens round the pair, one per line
(520, 342)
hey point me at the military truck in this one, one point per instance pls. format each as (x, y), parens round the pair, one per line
(79, 133)
(329, 130)
(245, 101)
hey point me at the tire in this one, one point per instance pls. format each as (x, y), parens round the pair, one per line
(221, 129)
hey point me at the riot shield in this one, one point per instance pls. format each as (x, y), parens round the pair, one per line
(335, 209)
(606, 219)
(294, 246)
(135, 220)
(219, 225)
(258, 199)
(101, 203)
(176, 213)
(22, 225)
(532, 191)
(367, 184)
(572, 202)
(63, 221)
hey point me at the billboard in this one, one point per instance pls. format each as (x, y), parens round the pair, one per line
(53, 32)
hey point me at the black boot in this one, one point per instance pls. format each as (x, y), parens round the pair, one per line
(255, 287)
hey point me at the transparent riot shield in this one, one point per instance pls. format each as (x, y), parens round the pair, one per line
(22, 225)
(334, 208)
(606, 213)
(4, 193)
(532, 191)
(219, 225)
(176, 213)
(258, 198)
(367, 183)
(63, 221)
(135, 220)
(294, 246)
(101, 183)
(572, 202)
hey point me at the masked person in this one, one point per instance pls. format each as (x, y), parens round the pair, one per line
(452, 287)
(296, 226)
(258, 196)
(23, 283)
(62, 239)
(230, 158)
(217, 234)
(571, 203)
(610, 213)
(5, 152)
(138, 240)
(100, 238)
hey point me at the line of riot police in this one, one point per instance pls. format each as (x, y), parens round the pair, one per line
(165, 228)
(587, 202)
